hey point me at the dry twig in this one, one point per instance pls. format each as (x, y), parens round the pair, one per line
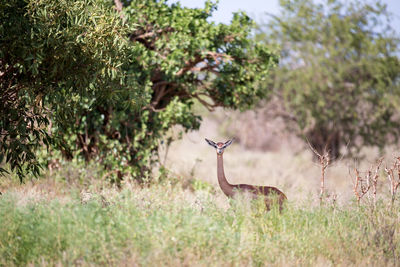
(394, 182)
(324, 161)
(375, 178)
(362, 186)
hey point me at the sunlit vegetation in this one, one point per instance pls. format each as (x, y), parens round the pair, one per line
(95, 93)
(164, 224)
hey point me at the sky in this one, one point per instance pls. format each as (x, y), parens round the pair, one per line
(256, 8)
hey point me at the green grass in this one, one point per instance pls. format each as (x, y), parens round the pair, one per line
(166, 225)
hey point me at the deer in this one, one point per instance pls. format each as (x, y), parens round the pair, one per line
(272, 195)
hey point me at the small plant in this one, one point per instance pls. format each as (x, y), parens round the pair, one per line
(200, 185)
(324, 160)
(394, 182)
(362, 185)
(375, 179)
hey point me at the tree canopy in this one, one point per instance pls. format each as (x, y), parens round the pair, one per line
(53, 54)
(339, 77)
(102, 82)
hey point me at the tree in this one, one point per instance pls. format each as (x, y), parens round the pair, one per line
(339, 73)
(178, 58)
(167, 57)
(53, 55)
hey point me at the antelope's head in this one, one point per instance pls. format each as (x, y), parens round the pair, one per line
(219, 146)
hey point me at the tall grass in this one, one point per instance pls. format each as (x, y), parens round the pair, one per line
(166, 225)
(75, 218)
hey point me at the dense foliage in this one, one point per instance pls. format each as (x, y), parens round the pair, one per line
(340, 72)
(54, 57)
(107, 83)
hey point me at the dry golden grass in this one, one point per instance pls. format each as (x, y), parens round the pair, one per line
(288, 166)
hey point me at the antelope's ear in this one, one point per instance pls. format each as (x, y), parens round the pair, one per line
(227, 143)
(211, 143)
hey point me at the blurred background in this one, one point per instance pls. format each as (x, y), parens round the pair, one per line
(134, 87)
(256, 9)
(265, 150)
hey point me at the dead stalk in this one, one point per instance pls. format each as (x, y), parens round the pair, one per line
(324, 161)
(375, 179)
(362, 186)
(394, 182)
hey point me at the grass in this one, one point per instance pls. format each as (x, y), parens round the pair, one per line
(166, 225)
(71, 217)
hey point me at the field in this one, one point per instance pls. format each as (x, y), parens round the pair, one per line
(72, 217)
(104, 111)
(166, 225)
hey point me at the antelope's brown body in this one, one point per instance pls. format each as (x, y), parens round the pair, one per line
(271, 194)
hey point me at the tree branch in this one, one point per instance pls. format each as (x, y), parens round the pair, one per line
(189, 65)
(143, 34)
(208, 106)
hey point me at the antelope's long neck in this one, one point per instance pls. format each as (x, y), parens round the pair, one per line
(226, 187)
